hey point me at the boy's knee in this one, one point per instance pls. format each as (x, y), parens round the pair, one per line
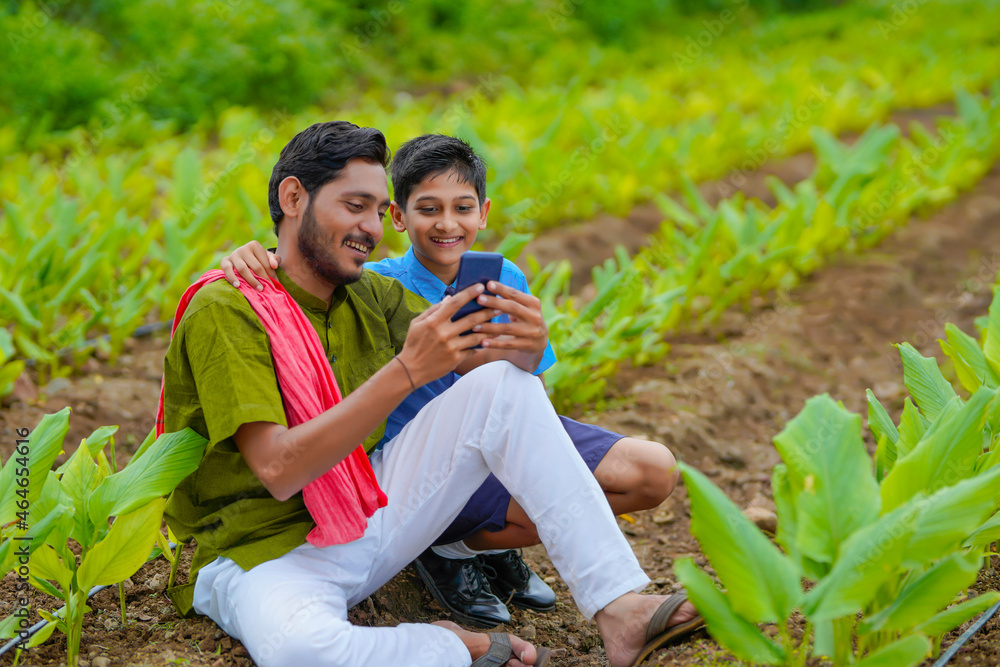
(656, 472)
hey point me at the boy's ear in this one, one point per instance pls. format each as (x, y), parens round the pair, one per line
(398, 217)
(292, 196)
(484, 211)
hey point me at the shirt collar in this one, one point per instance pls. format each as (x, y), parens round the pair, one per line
(307, 300)
(425, 283)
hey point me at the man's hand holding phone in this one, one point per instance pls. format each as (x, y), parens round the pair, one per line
(436, 345)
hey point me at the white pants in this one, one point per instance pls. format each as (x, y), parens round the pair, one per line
(293, 610)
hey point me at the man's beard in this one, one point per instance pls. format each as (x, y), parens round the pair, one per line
(316, 250)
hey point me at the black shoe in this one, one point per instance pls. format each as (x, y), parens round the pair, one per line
(515, 583)
(460, 586)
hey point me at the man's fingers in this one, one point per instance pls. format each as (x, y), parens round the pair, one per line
(451, 304)
(227, 268)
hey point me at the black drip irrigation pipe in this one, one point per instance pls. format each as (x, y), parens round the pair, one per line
(954, 648)
(144, 330)
(41, 624)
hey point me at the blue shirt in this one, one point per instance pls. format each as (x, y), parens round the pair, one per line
(417, 278)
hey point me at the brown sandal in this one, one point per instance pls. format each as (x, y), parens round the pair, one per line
(500, 653)
(659, 635)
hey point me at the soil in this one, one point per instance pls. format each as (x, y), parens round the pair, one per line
(716, 401)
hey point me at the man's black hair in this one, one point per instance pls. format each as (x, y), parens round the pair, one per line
(430, 155)
(317, 154)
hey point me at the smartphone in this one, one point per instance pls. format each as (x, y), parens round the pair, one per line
(475, 267)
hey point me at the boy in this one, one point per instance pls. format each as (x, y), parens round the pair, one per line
(439, 186)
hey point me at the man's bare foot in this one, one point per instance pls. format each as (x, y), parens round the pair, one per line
(478, 643)
(623, 625)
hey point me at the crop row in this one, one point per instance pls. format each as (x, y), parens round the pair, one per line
(100, 237)
(704, 260)
(888, 546)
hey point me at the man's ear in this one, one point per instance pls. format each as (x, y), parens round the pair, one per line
(484, 211)
(292, 197)
(398, 217)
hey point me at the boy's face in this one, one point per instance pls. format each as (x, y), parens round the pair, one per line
(442, 217)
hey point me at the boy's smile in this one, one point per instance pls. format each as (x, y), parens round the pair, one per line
(442, 217)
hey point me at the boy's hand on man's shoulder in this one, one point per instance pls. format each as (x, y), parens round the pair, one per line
(247, 260)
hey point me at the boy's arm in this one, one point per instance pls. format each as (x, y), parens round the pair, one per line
(522, 341)
(247, 260)
(287, 459)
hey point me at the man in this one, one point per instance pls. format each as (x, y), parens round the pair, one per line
(253, 571)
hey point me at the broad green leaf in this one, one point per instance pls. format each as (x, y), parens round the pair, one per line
(46, 564)
(991, 347)
(867, 559)
(58, 520)
(949, 619)
(986, 533)
(950, 516)
(946, 454)
(970, 362)
(912, 427)
(9, 627)
(787, 516)
(885, 458)
(879, 422)
(924, 381)
(124, 549)
(99, 438)
(41, 636)
(726, 626)
(79, 480)
(171, 458)
(762, 582)
(927, 595)
(46, 587)
(44, 445)
(905, 652)
(830, 475)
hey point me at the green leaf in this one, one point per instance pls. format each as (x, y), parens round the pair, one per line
(970, 362)
(787, 516)
(79, 479)
(512, 245)
(9, 627)
(924, 381)
(950, 516)
(991, 348)
(763, 583)
(951, 618)
(99, 438)
(727, 627)
(912, 427)
(46, 564)
(879, 422)
(41, 636)
(986, 533)
(830, 475)
(905, 652)
(926, 595)
(44, 445)
(124, 549)
(171, 458)
(57, 521)
(946, 454)
(867, 559)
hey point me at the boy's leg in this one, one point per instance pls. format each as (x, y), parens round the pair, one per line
(498, 418)
(634, 475)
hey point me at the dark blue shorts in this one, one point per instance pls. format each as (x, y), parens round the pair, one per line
(487, 508)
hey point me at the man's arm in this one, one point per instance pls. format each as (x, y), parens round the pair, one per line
(287, 459)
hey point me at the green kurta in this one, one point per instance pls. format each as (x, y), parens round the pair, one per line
(219, 375)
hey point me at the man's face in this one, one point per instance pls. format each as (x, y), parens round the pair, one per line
(343, 223)
(443, 215)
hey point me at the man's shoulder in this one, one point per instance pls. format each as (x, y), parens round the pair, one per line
(216, 298)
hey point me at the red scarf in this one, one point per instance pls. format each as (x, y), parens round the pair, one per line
(340, 501)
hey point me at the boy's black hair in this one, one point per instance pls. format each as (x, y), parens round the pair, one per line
(430, 155)
(317, 154)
